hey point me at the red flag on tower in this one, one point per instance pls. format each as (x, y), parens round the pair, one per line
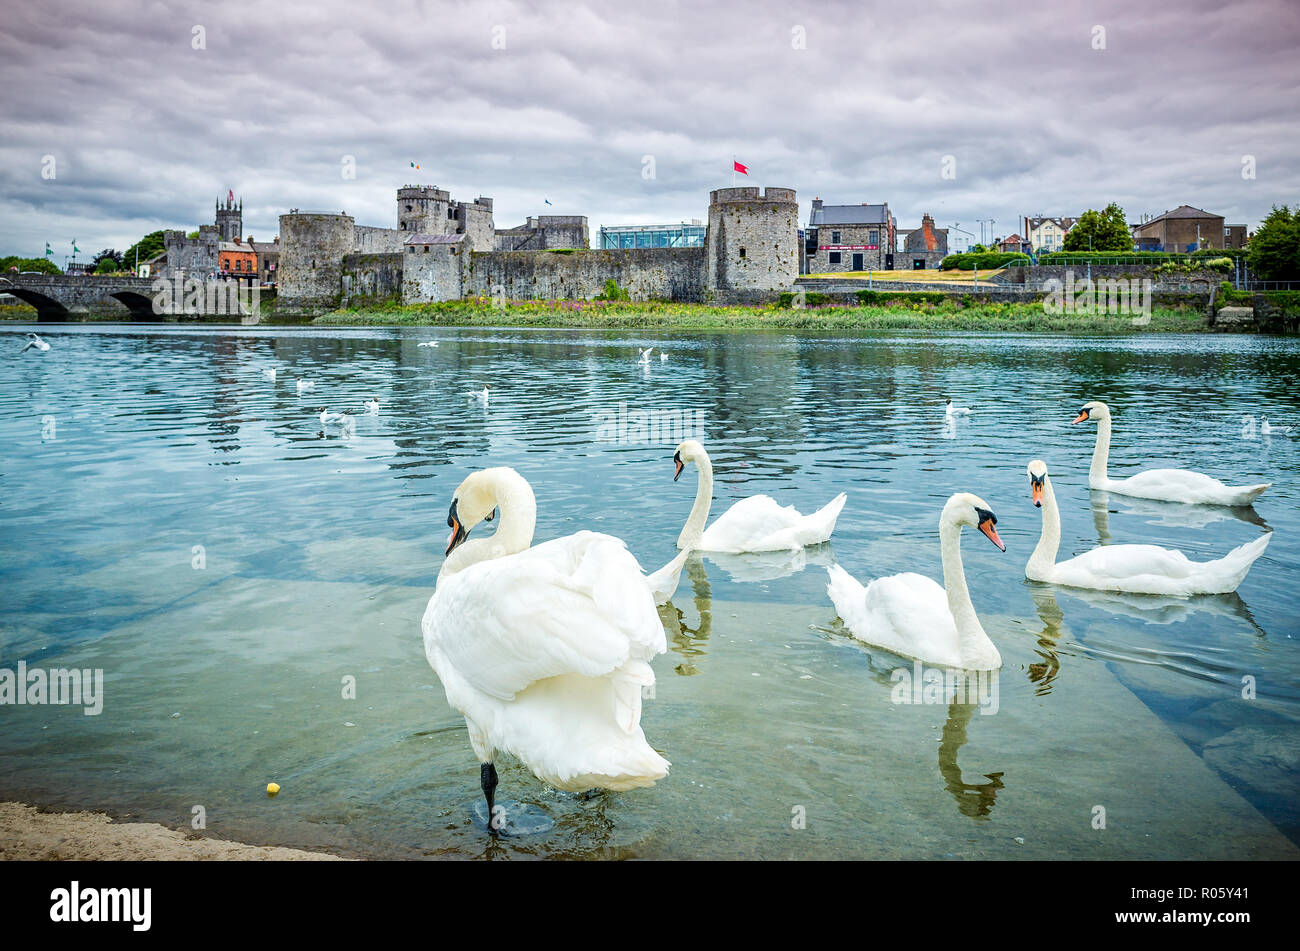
(230, 194)
(737, 167)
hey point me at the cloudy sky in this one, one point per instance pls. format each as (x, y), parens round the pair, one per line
(630, 113)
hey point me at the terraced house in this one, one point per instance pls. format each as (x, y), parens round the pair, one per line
(848, 238)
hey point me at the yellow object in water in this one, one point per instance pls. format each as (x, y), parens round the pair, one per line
(272, 789)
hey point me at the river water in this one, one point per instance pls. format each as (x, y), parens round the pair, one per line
(181, 522)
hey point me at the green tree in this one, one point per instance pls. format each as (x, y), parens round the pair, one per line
(13, 262)
(1274, 251)
(147, 247)
(1107, 229)
(110, 255)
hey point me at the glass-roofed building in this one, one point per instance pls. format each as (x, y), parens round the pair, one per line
(688, 234)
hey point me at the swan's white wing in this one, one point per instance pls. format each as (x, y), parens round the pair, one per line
(575, 605)
(905, 613)
(1113, 565)
(1149, 569)
(758, 523)
(1184, 485)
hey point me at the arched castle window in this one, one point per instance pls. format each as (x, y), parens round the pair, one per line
(742, 252)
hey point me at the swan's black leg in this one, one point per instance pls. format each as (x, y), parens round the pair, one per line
(488, 780)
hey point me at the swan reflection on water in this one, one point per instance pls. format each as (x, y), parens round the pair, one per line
(684, 640)
(772, 565)
(1163, 609)
(1173, 514)
(974, 800)
(1044, 674)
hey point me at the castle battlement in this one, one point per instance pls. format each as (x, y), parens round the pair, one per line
(742, 193)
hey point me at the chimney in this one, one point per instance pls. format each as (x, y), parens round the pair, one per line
(817, 202)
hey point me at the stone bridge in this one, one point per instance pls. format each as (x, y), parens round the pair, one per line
(60, 296)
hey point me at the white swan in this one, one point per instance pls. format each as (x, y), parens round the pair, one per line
(372, 406)
(1171, 485)
(544, 650)
(950, 410)
(1137, 569)
(910, 614)
(757, 523)
(36, 342)
(1268, 430)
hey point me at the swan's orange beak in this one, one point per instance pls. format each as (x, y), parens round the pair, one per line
(1036, 491)
(1083, 414)
(458, 533)
(677, 458)
(988, 529)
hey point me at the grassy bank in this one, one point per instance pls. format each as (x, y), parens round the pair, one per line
(655, 315)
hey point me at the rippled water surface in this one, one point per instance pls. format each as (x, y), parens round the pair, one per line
(124, 448)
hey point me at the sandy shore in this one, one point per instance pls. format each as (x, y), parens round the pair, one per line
(26, 834)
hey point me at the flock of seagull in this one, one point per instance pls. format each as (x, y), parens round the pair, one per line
(546, 649)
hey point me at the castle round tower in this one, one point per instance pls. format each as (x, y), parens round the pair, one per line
(425, 209)
(230, 219)
(753, 242)
(312, 245)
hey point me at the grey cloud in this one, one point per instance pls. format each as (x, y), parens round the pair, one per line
(148, 132)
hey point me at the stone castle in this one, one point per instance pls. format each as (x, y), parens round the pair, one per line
(444, 250)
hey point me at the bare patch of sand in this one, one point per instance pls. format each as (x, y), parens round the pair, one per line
(26, 834)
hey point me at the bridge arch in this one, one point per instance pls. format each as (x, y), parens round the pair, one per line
(140, 305)
(47, 308)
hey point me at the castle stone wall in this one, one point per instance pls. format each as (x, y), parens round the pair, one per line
(377, 240)
(474, 220)
(753, 242)
(439, 274)
(312, 248)
(370, 278)
(646, 274)
(196, 257)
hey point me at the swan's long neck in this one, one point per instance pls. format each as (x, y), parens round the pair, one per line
(1044, 556)
(694, 527)
(1100, 455)
(518, 506)
(969, 631)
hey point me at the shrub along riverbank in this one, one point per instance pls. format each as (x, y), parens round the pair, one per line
(929, 312)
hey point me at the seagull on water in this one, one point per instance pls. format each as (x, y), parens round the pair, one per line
(950, 410)
(480, 395)
(645, 355)
(1268, 430)
(269, 373)
(428, 343)
(35, 341)
(372, 406)
(306, 385)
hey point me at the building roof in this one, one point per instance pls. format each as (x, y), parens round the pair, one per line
(1037, 221)
(435, 239)
(1182, 211)
(862, 214)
